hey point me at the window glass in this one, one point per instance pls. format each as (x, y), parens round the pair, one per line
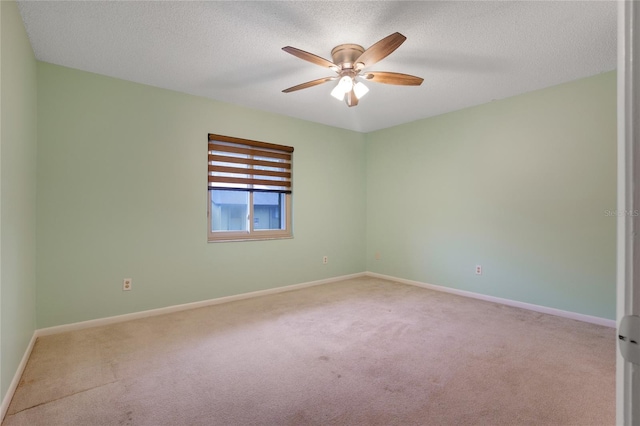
(268, 210)
(229, 210)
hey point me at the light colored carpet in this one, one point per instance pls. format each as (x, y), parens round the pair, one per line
(358, 352)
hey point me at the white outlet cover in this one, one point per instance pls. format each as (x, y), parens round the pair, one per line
(127, 283)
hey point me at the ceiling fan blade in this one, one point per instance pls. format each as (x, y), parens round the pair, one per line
(381, 49)
(351, 99)
(393, 78)
(314, 59)
(309, 84)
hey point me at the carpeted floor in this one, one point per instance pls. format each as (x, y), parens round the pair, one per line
(358, 352)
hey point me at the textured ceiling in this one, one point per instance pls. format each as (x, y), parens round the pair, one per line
(469, 53)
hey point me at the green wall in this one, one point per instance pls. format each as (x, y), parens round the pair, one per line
(520, 186)
(122, 193)
(18, 141)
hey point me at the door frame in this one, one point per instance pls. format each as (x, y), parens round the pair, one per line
(628, 223)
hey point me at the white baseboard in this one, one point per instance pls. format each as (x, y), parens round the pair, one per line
(16, 377)
(529, 306)
(176, 308)
(209, 302)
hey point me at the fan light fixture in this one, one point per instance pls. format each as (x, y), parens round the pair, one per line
(360, 90)
(345, 85)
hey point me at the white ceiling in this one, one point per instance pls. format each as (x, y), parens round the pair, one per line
(469, 53)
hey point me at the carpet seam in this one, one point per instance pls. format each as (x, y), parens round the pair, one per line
(62, 397)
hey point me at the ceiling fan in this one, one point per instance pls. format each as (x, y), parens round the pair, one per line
(349, 62)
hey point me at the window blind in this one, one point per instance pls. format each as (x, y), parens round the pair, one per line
(246, 165)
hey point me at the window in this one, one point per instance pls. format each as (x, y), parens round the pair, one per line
(249, 188)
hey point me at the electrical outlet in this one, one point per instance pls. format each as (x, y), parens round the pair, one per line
(325, 260)
(126, 284)
(377, 255)
(478, 269)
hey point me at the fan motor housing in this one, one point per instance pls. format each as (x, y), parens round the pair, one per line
(345, 55)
